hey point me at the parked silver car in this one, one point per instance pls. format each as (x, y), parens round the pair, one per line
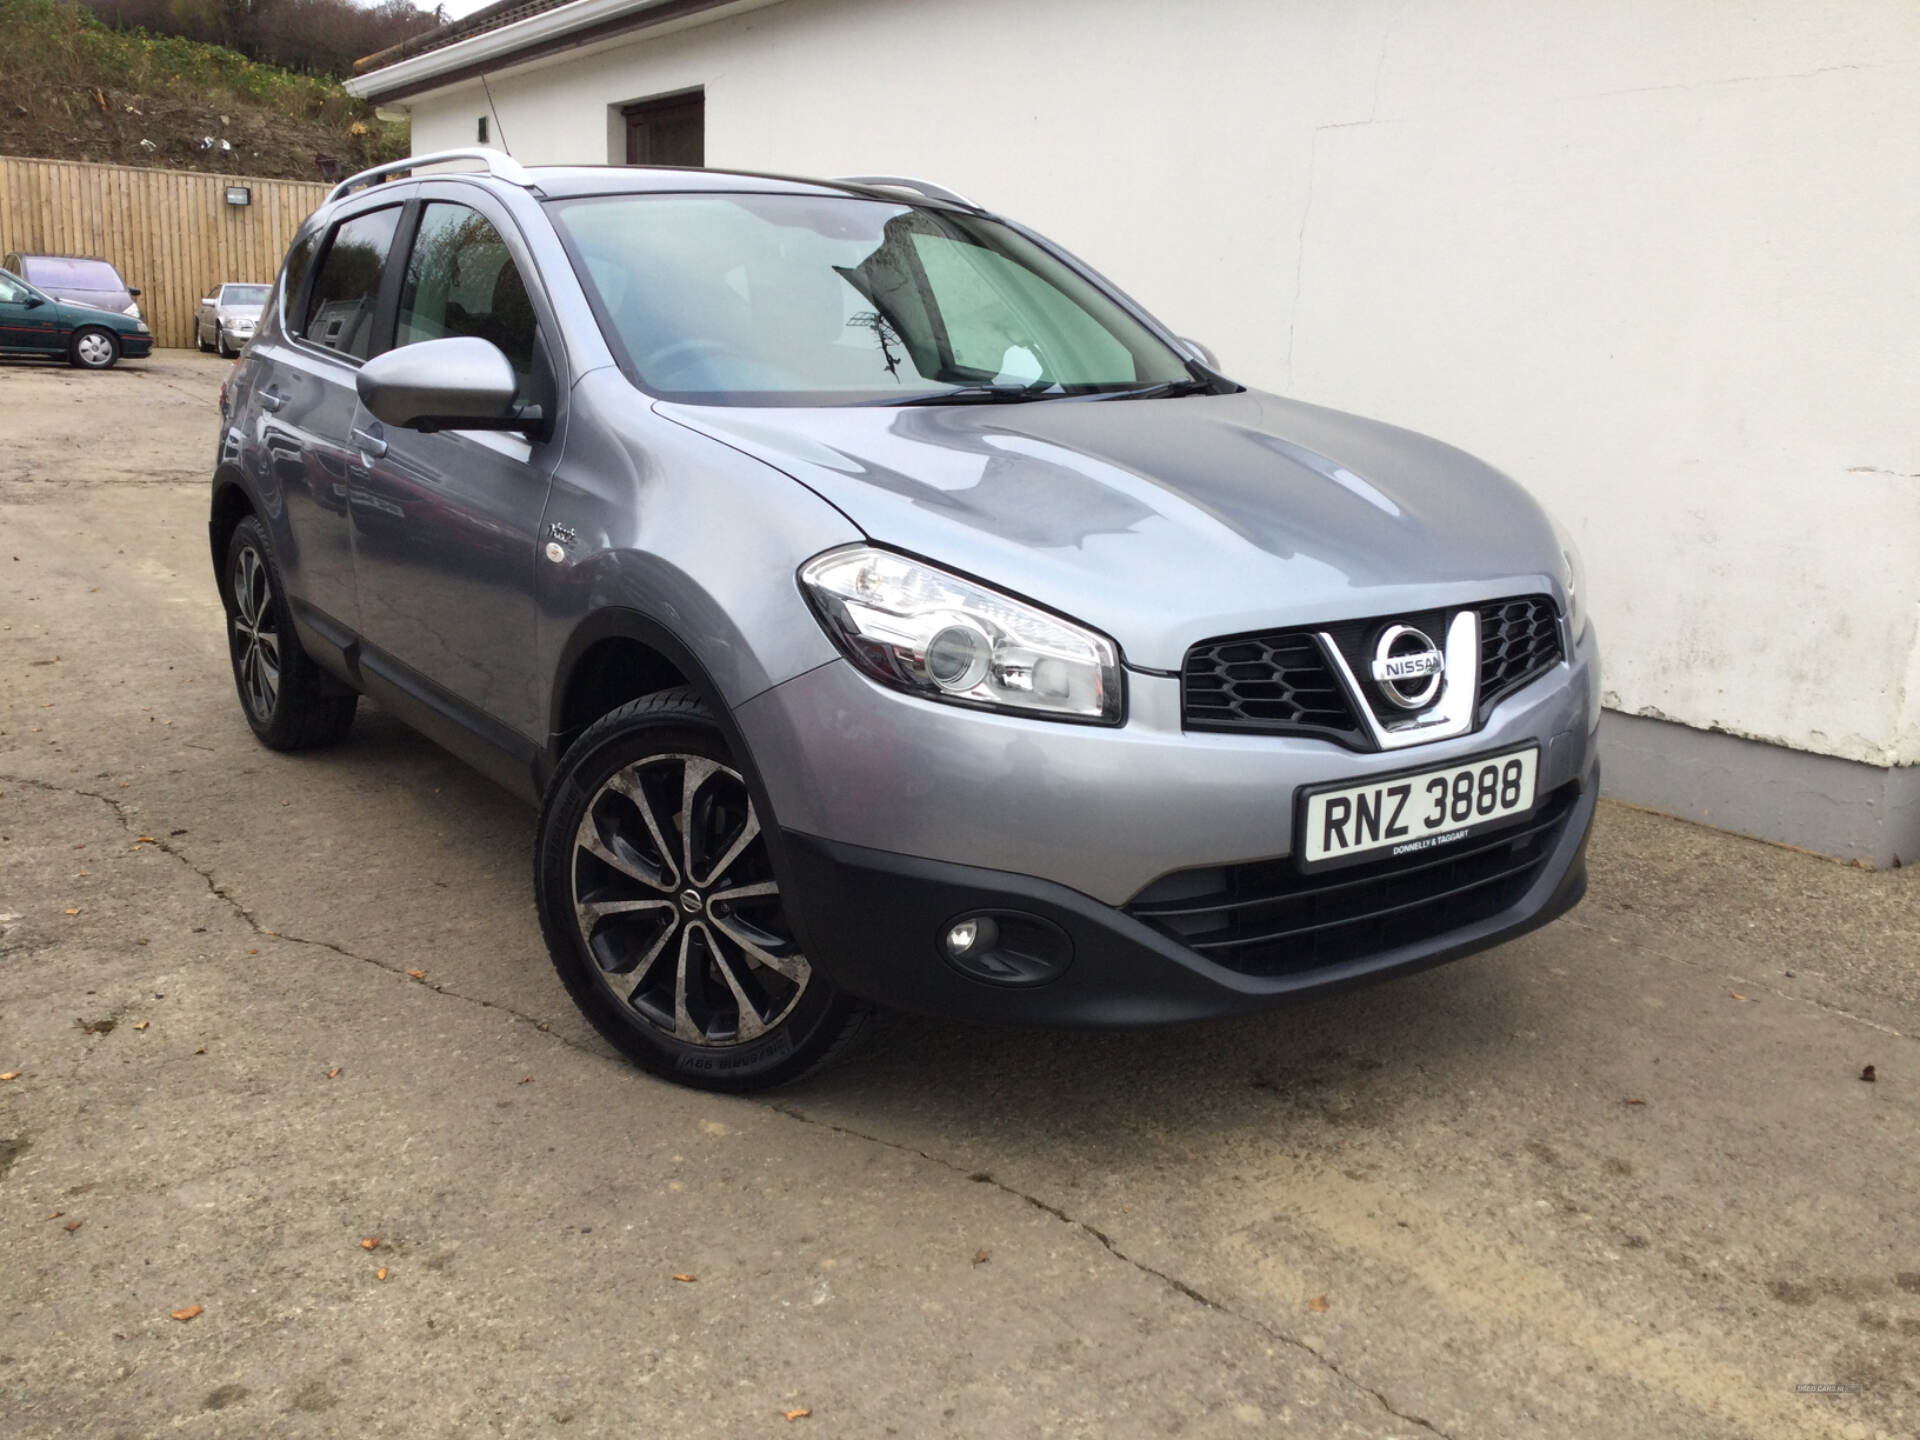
(226, 319)
(884, 609)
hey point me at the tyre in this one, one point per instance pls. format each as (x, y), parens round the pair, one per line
(662, 911)
(289, 703)
(199, 342)
(220, 344)
(93, 349)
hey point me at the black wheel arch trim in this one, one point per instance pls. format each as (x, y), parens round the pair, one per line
(227, 477)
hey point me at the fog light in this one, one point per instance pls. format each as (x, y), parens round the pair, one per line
(977, 933)
(1007, 947)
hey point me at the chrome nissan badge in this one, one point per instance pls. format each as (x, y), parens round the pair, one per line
(1408, 667)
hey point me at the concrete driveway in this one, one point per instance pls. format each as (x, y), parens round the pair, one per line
(280, 1027)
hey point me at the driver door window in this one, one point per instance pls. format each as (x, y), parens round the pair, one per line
(461, 280)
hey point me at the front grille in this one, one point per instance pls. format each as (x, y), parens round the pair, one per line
(1266, 918)
(1518, 640)
(1284, 683)
(1276, 684)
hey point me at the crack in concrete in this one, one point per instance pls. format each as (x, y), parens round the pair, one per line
(1107, 1242)
(125, 814)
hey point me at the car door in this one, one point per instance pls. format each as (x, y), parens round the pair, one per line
(306, 398)
(29, 321)
(446, 526)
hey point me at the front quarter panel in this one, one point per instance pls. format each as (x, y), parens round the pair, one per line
(689, 533)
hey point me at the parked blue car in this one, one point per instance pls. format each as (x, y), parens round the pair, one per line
(32, 322)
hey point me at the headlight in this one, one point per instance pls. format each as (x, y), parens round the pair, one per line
(141, 328)
(1576, 582)
(929, 633)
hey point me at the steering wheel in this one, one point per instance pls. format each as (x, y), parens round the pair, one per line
(673, 359)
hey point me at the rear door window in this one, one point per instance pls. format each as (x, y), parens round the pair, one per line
(346, 287)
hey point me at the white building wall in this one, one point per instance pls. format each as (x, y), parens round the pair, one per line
(1659, 260)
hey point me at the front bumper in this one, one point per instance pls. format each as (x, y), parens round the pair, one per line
(874, 922)
(899, 817)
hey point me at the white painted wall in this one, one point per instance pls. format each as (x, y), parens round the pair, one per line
(1659, 259)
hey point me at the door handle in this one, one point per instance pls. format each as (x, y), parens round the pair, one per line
(271, 399)
(369, 444)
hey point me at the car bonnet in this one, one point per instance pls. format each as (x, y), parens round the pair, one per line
(1163, 522)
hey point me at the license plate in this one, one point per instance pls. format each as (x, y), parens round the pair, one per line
(1414, 813)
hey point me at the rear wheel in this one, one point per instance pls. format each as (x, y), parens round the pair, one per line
(289, 703)
(662, 911)
(93, 348)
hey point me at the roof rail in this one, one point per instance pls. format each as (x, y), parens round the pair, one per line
(907, 182)
(498, 162)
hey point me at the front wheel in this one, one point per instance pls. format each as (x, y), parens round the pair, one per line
(220, 344)
(662, 911)
(93, 349)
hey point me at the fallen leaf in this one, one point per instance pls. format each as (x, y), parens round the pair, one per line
(145, 840)
(381, 1273)
(72, 1225)
(543, 1027)
(526, 1079)
(1633, 1100)
(980, 1257)
(800, 1414)
(56, 1215)
(686, 1279)
(10, 1075)
(74, 911)
(141, 1025)
(417, 974)
(188, 1313)
(1868, 1074)
(334, 1074)
(201, 1051)
(1736, 994)
(252, 951)
(372, 1242)
(1318, 1304)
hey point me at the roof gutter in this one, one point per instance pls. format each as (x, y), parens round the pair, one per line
(556, 29)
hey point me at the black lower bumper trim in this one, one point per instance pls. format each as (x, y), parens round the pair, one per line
(874, 922)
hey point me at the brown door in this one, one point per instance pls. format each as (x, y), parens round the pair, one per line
(668, 132)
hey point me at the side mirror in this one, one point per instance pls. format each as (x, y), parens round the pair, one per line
(461, 383)
(134, 291)
(1201, 353)
(34, 302)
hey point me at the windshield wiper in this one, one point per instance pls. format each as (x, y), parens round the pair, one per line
(983, 395)
(1193, 386)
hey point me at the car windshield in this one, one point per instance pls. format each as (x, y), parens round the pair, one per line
(243, 294)
(61, 272)
(748, 299)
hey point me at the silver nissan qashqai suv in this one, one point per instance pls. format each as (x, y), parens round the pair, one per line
(884, 609)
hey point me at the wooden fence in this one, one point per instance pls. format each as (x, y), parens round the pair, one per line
(170, 233)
